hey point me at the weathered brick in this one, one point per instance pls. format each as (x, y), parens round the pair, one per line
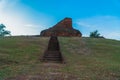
(62, 28)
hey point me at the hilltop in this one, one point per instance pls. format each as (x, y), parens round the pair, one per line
(86, 59)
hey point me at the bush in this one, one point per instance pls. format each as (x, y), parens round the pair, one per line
(95, 34)
(3, 32)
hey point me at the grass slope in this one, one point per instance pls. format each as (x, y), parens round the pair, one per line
(86, 59)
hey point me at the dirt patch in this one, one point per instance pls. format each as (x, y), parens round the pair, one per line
(50, 71)
(52, 76)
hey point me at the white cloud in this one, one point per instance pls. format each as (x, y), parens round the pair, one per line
(113, 35)
(17, 19)
(108, 26)
(29, 25)
(84, 24)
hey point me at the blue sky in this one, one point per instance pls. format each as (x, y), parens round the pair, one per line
(29, 17)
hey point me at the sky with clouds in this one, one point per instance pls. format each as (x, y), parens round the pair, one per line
(29, 17)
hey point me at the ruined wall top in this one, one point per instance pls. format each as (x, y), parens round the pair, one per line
(62, 28)
(65, 23)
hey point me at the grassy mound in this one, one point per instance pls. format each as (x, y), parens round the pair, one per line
(86, 58)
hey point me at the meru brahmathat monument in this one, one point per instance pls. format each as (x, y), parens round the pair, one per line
(62, 28)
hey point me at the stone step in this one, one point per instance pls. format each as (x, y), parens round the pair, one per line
(53, 51)
(52, 54)
(53, 59)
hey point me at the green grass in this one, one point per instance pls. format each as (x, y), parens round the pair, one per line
(86, 58)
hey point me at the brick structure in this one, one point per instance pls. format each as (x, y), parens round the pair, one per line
(62, 28)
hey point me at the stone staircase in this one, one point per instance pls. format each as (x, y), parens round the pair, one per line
(53, 54)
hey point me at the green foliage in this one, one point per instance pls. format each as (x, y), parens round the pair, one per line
(3, 32)
(95, 34)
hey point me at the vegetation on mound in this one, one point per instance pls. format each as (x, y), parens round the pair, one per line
(86, 58)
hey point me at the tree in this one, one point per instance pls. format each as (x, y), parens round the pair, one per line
(95, 34)
(3, 32)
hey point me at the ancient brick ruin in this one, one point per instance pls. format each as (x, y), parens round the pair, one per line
(52, 52)
(62, 28)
